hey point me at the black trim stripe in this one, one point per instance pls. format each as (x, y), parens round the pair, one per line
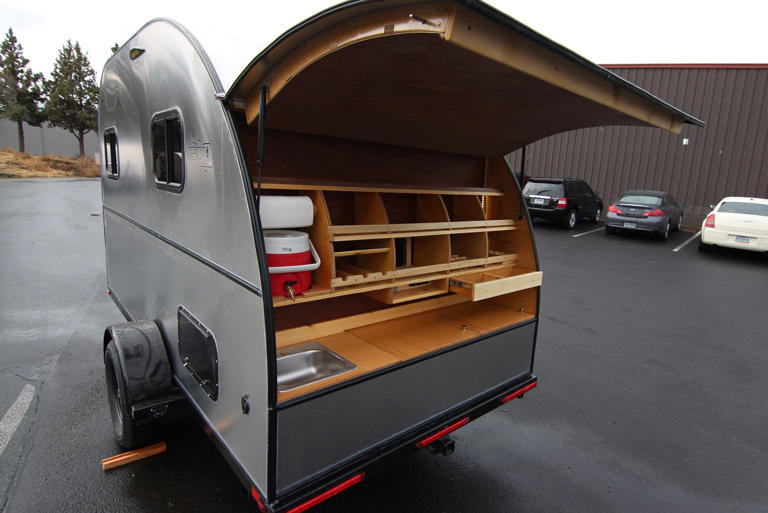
(528, 219)
(120, 305)
(200, 258)
(269, 325)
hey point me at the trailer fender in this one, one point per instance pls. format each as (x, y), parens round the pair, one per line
(143, 360)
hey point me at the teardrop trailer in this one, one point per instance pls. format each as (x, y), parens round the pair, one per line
(375, 132)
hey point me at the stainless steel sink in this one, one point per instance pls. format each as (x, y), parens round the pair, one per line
(308, 363)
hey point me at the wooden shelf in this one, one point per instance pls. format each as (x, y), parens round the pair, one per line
(301, 185)
(403, 294)
(434, 238)
(387, 231)
(375, 281)
(352, 275)
(355, 252)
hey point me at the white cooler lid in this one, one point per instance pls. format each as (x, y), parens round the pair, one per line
(285, 241)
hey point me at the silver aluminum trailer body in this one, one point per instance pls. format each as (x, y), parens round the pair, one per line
(192, 246)
(393, 117)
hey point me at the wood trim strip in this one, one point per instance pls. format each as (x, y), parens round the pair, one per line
(404, 20)
(355, 252)
(413, 227)
(388, 188)
(341, 238)
(485, 37)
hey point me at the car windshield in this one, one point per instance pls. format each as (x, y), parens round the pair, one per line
(551, 189)
(641, 199)
(741, 207)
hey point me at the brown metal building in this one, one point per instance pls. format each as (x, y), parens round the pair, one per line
(727, 157)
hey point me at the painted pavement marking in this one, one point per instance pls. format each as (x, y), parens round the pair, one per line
(14, 415)
(587, 233)
(681, 246)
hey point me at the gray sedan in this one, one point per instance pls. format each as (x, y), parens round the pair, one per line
(647, 211)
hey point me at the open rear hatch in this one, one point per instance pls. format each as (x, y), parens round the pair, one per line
(393, 117)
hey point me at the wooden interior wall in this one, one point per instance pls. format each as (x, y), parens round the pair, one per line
(289, 155)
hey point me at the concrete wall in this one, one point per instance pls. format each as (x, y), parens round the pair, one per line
(45, 140)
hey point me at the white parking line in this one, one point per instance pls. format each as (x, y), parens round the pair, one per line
(13, 416)
(681, 246)
(587, 233)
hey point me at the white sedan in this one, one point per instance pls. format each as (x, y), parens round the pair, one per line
(736, 222)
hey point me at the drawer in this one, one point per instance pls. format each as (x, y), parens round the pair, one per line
(484, 285)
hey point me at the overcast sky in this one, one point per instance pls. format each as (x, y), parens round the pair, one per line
(603, 31)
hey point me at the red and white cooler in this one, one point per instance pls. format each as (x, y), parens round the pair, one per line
(291, 258)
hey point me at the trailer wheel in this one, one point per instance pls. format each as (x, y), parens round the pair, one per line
(127, 433)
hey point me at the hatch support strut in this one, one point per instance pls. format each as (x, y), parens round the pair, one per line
(260, 144)
(522, 183)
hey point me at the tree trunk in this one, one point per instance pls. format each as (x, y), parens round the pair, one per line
(81, 140)
(20, 127)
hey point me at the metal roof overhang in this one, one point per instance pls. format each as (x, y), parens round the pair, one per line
(458, 77)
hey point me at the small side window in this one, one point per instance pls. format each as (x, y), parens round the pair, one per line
(111, 155)
(168, 151)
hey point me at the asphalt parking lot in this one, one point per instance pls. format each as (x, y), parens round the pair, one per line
(652, 368)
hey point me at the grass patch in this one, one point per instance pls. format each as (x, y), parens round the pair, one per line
(14, 164)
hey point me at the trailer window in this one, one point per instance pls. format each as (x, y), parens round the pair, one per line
(168, 151)
(111, 156)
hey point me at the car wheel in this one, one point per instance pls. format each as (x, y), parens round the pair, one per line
(127, 433)
(570, 219)
(598, 212)
(679, 223)
(704, 248)
(664, 234)
(609, 230)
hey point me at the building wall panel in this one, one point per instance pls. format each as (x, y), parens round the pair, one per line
(727, 157)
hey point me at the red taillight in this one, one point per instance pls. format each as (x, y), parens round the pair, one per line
(614, 210)
(562, 202)
(518, 393)
(258, 500)
(710, 222)
(442, 433)
(654, 213)
(327, 494)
